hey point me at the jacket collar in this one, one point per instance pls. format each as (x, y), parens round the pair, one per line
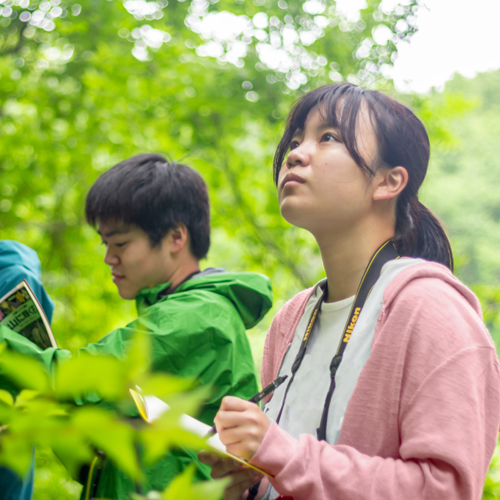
(149, 296)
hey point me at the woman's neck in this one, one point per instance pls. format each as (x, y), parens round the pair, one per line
(345, 259)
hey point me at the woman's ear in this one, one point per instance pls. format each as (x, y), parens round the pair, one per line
(389, 183)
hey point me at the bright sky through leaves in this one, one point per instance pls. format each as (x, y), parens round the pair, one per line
(454, 36)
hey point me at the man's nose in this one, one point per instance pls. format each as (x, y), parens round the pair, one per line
(110, 258)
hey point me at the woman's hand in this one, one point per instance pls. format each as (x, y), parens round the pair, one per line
(241, 426)
(242, 478)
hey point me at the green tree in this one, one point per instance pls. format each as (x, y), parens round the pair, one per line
(83, 86)
(463, 183)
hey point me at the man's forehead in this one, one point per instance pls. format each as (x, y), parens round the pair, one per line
(110, 228)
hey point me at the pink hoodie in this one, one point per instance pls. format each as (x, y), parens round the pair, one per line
(423, 419)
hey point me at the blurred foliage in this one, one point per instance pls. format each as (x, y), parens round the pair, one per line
(491, 489)
(183, 488)
(44, 414)
(463, 183)
(85, 85)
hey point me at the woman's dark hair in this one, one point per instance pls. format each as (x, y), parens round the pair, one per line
(155, 194)
(402, 141)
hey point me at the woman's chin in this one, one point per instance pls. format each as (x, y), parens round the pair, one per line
(294, 215)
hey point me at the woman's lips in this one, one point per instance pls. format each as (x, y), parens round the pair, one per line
(291, 179)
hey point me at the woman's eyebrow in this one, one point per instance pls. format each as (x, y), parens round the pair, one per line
(327, 125)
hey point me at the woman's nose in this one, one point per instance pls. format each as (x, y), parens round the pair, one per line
(298, 156)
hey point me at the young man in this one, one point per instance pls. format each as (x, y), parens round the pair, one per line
(153, 217)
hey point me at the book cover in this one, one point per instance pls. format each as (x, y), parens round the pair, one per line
(21, 312)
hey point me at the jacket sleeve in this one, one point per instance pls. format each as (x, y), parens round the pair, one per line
(200, 336)
(448, 424)
(48, 357)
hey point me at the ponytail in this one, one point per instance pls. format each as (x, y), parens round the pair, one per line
(420, 234)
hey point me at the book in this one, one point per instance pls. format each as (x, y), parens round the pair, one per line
(21, 312)
(150, 408)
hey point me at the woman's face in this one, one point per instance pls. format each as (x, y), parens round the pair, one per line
(320, 187)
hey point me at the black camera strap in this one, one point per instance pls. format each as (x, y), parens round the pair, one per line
(383, 255)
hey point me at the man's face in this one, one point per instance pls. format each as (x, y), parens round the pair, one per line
(134, 263)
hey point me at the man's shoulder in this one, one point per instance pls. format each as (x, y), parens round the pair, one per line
(191, 308)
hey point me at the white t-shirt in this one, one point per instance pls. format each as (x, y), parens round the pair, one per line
(305, 400)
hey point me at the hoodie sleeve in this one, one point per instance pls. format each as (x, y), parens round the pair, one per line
(446, 412)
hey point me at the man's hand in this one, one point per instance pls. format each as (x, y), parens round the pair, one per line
(241, 426)
(242, 478)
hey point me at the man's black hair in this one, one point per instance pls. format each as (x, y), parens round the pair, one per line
(155, 194)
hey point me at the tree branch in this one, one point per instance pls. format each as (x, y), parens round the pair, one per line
(18, 45)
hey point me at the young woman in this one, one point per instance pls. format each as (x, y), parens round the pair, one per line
(393, 380)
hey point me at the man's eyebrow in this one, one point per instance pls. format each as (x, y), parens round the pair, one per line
(112, 233)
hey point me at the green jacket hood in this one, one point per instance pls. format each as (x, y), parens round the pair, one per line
(250, 293)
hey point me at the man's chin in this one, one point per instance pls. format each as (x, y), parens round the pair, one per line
(126, 294)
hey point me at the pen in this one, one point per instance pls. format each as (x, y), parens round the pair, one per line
(258, 397)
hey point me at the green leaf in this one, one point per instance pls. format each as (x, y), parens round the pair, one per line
(166, 431)
(112, 436)
(139, 356)
(72, 447)
(16, 452)
(163, 385)
(24, 371)
(6, 398)
(25, 396)
(182, 488)
(85, 374)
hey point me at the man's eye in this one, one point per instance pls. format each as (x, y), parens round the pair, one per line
(119, 245)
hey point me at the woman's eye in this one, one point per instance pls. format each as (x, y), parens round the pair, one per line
(119, 245)
(329, 138)
(294, 144)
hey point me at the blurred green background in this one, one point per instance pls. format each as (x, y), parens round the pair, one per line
(209, 83)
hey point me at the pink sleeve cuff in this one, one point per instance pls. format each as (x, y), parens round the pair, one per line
(275, 450)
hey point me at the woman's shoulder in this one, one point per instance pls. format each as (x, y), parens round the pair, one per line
(291, 312)
(427, 282)
(429, 299)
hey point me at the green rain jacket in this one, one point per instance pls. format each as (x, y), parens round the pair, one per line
(196, 331)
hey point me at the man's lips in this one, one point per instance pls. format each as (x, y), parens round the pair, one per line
(117, 277)
(291, 178)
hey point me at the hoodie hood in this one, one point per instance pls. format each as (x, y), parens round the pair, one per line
(19, 262)
(427, 269)
(250, 293)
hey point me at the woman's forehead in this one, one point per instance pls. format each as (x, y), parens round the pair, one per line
(335, 115)
(318, 117)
